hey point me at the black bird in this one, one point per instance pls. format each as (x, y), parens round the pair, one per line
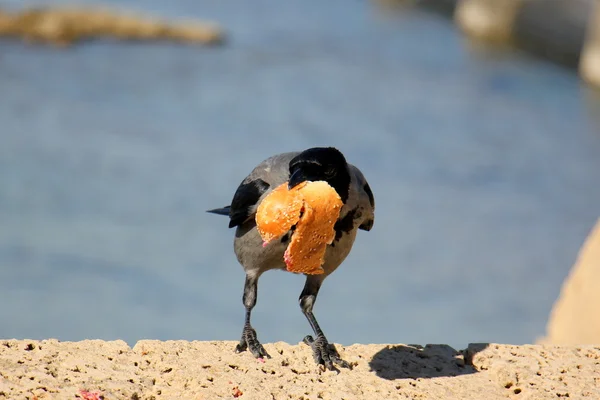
(315, 164)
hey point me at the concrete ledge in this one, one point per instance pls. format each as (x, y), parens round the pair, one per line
(94, 369)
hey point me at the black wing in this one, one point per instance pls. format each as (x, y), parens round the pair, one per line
(271, 172)
(367, 225)
(246, 196)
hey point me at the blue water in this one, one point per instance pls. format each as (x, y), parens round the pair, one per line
(484, 166)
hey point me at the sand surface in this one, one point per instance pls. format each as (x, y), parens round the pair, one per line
(94, 369)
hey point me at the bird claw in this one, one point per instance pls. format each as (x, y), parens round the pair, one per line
(325, 353)
(249, 341)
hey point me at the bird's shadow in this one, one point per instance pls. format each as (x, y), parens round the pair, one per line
(431, 361)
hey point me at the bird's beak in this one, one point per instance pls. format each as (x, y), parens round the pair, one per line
(297, 178)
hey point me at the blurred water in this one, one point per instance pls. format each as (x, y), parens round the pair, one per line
(484, 168)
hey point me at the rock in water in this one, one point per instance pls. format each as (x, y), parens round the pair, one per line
(575, 318)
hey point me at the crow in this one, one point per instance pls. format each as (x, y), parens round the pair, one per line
(358, 212)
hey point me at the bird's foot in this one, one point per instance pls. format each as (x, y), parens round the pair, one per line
(325, 353)
(250, 342)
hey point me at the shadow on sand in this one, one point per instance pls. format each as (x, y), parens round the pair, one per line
(431, 361)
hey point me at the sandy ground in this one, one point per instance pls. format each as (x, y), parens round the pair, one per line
(94, 369)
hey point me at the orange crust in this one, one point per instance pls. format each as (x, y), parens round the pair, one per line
(278, 212)
(320, 206)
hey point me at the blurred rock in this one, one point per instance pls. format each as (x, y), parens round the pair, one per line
(575, 318)
(590, 59)
(66, 26)
(488, 19)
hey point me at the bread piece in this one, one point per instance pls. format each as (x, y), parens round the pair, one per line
(313, 207)
(278, 212)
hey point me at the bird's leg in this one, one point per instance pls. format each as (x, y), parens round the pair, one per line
(249, 340)
(323, 352)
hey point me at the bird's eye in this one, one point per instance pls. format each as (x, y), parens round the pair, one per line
(330, 171)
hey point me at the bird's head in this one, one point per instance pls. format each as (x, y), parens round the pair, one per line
(321, 164)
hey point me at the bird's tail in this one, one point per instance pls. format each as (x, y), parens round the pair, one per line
(220, 211)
